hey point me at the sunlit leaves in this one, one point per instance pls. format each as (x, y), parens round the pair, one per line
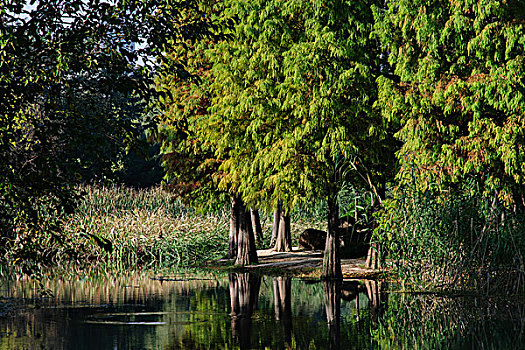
(294, 85)
(461, 92)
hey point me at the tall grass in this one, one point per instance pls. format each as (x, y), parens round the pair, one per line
(117, 227)
(462, 241)
(123, 227)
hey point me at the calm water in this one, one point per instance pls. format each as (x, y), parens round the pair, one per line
(245, 311)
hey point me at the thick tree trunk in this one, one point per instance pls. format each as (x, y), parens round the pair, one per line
(244, 295)
(283, 242)
(332, 260)
(234, 227)
(256, 224)
(332, 301)
(275, 224)
(246, 251)
(282, 294)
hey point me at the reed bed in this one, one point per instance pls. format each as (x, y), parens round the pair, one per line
(123, 227)
(462, 242)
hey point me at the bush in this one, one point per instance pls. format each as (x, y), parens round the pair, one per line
(439, 240)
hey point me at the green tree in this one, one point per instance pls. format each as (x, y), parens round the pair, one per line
(68, 70)
(189, 159)
(192, 169)
(294, 91)
(459, 94)
(188, 156)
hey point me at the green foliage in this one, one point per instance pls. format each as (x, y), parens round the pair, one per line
(355, 203)
(70, 86)
(440, 241)
(459, 94)
(188, 157)
(292, 88)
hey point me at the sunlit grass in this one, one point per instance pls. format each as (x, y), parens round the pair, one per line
(123, 227)
(120, 227)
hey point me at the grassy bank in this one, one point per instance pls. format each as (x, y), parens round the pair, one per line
(122, 227)
(118, 227)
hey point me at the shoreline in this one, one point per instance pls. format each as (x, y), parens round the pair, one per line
(302, 263)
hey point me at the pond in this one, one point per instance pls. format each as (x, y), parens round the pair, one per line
(242, 310)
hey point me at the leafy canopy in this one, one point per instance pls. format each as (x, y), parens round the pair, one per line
(188, 157)
(293, 89)
(460, 97)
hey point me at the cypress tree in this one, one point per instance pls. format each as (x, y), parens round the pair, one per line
(292, 89)
(459, 92)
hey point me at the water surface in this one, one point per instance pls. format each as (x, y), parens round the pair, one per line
(199, 311)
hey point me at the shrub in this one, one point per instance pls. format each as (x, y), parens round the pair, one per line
(443, 240)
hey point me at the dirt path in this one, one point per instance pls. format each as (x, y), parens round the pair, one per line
(309, 263)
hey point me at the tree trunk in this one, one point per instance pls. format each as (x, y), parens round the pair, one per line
(246, 251)
(332, 301)
(332, 260)
(256, 224)
(234, 227)
(275, 224)
(372, 260)
(283, 242)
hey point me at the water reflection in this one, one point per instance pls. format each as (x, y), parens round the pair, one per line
(246, 311)
(332, 301)
(282, 300)
(452, 322)
(376, 296)
(244, 296)
(244, 299)
(335, 291)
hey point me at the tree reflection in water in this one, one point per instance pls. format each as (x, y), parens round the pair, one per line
(282, 296)
(375, 297)
(187, 311)
(335, 290)
(332, 301)
(244, 295)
